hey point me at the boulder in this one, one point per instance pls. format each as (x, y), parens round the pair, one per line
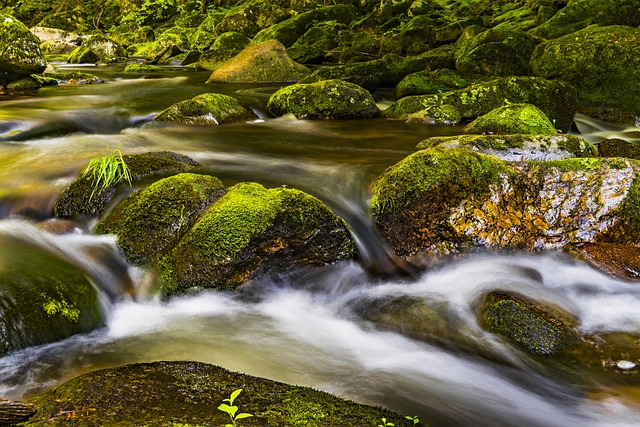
(149, 222)
(443, 200)
(615, 147)
(437, 115)
(619, 261)
(430, 82)
(261, 63)
(251, 16)
(603, 63)
(206, 109)
(95, 49)
(315, 45)
(224, 47)
(45, 304)
(55, 41)
(76, 199)
(556, 99)
(579, 14)
(517, 147)
(142, 68)
(164, 394)
(512, 119)
(19, 50)
(328, 99)
(253, 231)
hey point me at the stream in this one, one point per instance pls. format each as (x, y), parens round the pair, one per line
(308, 328)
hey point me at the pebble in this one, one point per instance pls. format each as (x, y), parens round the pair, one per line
(625, 364)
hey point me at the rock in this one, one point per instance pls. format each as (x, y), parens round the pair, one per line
(261, 63)
(437, 115)
(443, 200)
(73, 77)
(171, 43)
(329, 99)
(149, 222)
(556, 99)
(19, 50)
(76, 200)
(253, 231)
(142, 68)
(517, 148)
(251, 16)
(290, 30)
(430, 82)
(615, 147)
(206, 109)
(55, 41)
(95, 49)
(538, 329)
(603, 63)
(12, 412)
(314, 46)
(579, 14)
(224, 47)
(512, 119)
(619, 261)
(163, 394)
(42, 305)
(25, 83)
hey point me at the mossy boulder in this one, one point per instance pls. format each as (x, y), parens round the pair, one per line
(29, 83)
(556, 99)
(314, 46)
(251, 16)
(443, 200)
(579, 14)
(537, 328)
(188, 393)
(619, 261)
(603, 63)
(76, 199)
(56, 41)
(517, 147)
(329, 99)
(252, 231)
(49, 303)
(224, 47)
(19, 50)
(512, 119)
(290, 30)
(142, 68)
(615, 147)
(97, 48)
(431, 82)
(149, 222)
(437, 115)
(261, 63)
(206, 109)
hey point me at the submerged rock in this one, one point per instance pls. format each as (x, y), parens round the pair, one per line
(149, 222)
(444, 199)
(187, 394)
(603, 63)
(253, 231)
(19, 50)
(329, 99)
(206, 109)
(619, 261)
(556, 99)
(512, 119)
(261, 63)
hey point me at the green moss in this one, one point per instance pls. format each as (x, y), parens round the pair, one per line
(513, 119)
(206, 109)
(62, 307)
(19, 49)
(141, 68)
(581, 164)
(225, 46)
(430, 82)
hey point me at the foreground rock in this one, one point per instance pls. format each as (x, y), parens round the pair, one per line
(441, 200)
(262, 63)
(12, 412)
(188, 393)
(512, 119)
(76, 199)
(19, 50)
(253, 231)
(149, 222)
(329, 99)
(619, 261)
(206, 109)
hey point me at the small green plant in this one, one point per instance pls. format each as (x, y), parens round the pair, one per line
(231, 410)
(386, 423)
(106, 171)
(414, 419)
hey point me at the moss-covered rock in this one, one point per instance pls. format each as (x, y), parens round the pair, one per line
(25, 83)
(619, 261)
(512, 119)
(142, 68)
(615, 147)
(314, 46)
(556, 99)
(430, 82)
(73, 77)
(188, 393)
(517, 147)
(261, 63)
(224, 47)
(206, 109)
(436, 115)
(56, 41)
(19, 50)
(536, 328)
(252, 231)
(150, 221)
(329, 99)
(288, 31)
(603, 63)
(76, 199)
(448, 199)
(579, 14)
(251, 16)
(44, 304)
(95, 49)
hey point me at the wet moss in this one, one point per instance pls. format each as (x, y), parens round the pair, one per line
(206, 109)
(141, 68)
(513, 119)
(19, 49)
(150, 222)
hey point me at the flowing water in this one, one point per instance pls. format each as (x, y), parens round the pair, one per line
(309, 328)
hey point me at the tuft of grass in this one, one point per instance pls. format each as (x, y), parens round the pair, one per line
(106, 171)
